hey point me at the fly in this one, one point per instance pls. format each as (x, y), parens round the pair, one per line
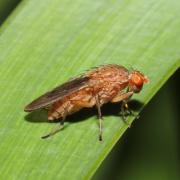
(107, 83)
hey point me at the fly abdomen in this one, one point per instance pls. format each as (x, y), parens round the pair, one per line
(57, 110)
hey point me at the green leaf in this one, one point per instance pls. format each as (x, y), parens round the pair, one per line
(45, 43)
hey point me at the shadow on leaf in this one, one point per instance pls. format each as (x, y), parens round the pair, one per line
(40, 116)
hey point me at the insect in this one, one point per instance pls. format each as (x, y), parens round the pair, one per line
(107, 83)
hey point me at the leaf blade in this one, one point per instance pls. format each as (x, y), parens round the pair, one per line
(57, 41)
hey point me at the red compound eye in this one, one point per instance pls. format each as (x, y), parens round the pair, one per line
(137, 80)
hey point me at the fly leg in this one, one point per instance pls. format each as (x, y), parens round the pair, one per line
(125, 111)
(124, 106)
(99, 116)
(58, 128)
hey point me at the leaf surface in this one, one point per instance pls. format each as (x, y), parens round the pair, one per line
(45, 43)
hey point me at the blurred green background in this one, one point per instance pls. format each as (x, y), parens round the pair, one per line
(150, 149)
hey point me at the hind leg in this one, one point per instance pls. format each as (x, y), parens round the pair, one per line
(58, 128)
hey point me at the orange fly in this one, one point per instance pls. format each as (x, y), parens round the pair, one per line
(107, 83)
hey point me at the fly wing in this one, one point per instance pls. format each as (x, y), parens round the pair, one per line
(57, 93)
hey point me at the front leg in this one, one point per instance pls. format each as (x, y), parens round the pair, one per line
(122, 96)
(124, 106)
